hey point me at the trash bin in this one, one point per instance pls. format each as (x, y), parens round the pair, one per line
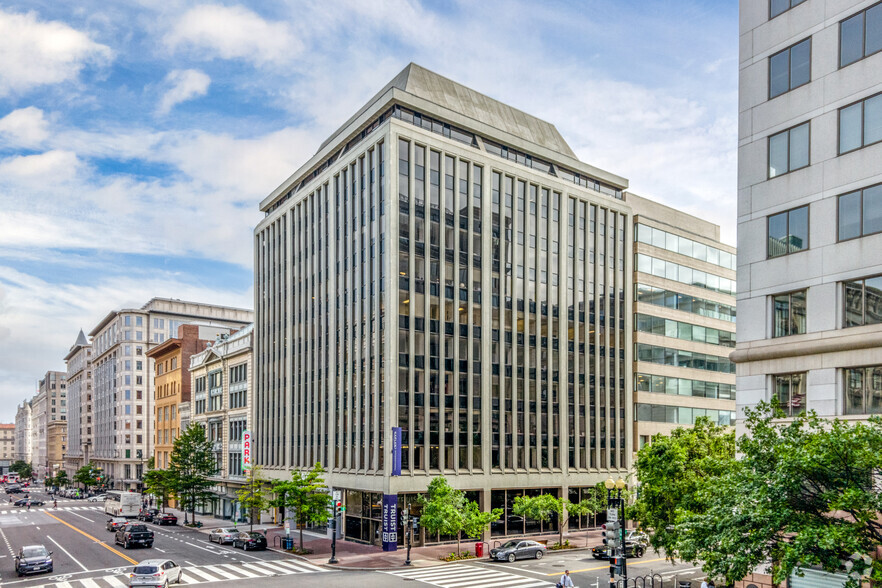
(479, 549)
(287, 543)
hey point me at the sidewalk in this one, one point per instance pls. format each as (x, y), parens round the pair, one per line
(353, 555)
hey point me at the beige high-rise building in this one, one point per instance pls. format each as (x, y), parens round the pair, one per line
(79, 405)
(222, 399)
(684, 321)
(122, 379)
(7, 444)
(49, 424)
(23, 425)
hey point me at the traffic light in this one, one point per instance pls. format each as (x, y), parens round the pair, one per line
(611, 534)
(338, 505)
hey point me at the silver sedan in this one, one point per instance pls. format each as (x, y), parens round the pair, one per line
(223, 535)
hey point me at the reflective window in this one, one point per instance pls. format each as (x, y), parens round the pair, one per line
(790, 68)
(686, 303)
(789, 314)
(681, 358)
(685, 331)
(788, 232)
(789, 150)
(681, 273)
(790, 392)
(863, 390)
(860, 213)
(776, 7)
(860, 35)
(681, 415)
(683, 387)
(860, 124)
(863, 302)
(678, 244)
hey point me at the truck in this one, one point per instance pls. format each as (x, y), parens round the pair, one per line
(134, 534)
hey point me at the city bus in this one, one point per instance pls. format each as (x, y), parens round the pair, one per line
(122, 504)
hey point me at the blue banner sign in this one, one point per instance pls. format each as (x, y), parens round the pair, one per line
(390, 522)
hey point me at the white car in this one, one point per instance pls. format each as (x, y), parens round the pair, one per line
(156, 572)
(99, 498)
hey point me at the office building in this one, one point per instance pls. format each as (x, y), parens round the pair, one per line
(7, 446)
(810, 210)
(49, 424)
(79, 405)
(122, 374)
(684, 321)
(221, 399)
(444, 288)
(23, 425)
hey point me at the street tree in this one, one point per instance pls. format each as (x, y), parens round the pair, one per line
(87, 476)
(22, 468)
(545, 507)
(445, 510)
(191, 465)
(803, 493)
(677, 474)
(161, 484)
(255, 495)
(305, 496)
(61, 480)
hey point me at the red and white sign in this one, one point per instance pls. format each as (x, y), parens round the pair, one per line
(246, 450)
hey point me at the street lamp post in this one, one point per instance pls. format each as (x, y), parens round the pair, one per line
(619, 557)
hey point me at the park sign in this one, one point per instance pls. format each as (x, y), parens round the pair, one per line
(246, 450)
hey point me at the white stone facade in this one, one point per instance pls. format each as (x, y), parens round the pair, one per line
(818, 358)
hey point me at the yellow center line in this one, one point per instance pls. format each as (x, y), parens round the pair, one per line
(98, 541)
(606, 567)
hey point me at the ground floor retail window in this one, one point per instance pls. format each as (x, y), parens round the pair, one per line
(512, 524)
(577, 495)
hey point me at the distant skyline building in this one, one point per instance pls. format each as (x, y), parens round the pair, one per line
(23, 425)
(49, 423)
(810, 208)
(79, 405)
(123, 407)
(7, 446)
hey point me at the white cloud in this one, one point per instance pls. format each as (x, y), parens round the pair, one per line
(24, 128)
(61, 166)
(234, 32)
(185, 84)
(35, 53)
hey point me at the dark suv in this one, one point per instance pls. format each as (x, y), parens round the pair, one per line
(148, 514)
(134, 534)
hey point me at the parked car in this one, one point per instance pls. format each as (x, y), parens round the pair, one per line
(116, 523)
(638, 537)
(223, 535)
(250, 541)
(33, 559)
(97, 498)
(156, 572)
(632, 550)
(165, 518)
(147, 514)
(134, 534)
(14, 489)
(24, 502)
(518, 549)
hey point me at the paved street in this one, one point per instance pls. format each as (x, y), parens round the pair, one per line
(85, 556)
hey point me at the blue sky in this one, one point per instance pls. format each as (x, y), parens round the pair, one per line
(137, 138)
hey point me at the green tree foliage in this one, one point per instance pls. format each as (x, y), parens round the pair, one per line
(445, 510)
(61, 480)
(305, 496)
(254, 495)
(191, 464)
(87, 476)
(677, 475)
(160, 483)
(804, 493)
(22, 468)
(545, 507)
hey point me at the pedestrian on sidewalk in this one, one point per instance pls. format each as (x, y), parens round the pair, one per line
(565, 580)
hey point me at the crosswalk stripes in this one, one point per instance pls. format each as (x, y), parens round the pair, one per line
(463, 576)
(211, 573)
(19, 509)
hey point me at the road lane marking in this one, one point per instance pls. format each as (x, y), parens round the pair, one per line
(606, 567)
(199, 573)
(89, 583)
(113, 582)
(76, 561)
(98, 541)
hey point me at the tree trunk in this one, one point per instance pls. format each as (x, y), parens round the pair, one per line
(458, 536)
(300, 528)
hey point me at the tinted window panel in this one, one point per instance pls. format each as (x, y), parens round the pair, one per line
(778, 154)
(799, 147)
(777, 233)
(873, 301)
(799, 230)
(779, 73)
(849, 216)
(874, 30)
(850, 128)
(800, 63)
(851, 40)
(872, 210)
(873, 120)
(779, 6)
